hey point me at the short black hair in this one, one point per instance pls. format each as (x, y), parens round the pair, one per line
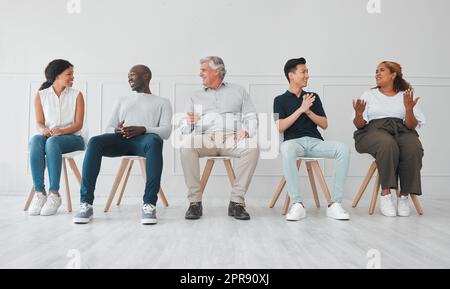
(53, 69)
(291, 66)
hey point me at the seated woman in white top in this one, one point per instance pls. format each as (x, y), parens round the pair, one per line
(386, 118)
(59, 120)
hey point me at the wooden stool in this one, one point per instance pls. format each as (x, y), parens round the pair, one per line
(208, 168)
(311, 164)
(376, 187)
(69, 158)
(125, 166)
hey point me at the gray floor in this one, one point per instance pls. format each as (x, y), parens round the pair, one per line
(117, 240)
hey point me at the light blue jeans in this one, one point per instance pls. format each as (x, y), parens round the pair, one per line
(52, 147)
(314, 148)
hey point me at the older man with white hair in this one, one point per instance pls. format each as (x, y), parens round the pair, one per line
(221, 121)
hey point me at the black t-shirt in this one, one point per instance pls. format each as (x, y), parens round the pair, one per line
(286, 104)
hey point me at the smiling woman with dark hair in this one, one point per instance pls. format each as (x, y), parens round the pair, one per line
(386, 118)
(59, 119)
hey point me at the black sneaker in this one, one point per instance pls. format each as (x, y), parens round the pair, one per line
(238, 211)
(194, 211)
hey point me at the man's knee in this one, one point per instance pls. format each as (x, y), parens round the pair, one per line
(252, 151)
(95, 142)
(153, 144)
(288, 150)
(192, 142)
(342, 149)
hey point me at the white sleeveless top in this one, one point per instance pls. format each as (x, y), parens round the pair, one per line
(59, 112)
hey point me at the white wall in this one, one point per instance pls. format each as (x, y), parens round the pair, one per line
(341, 41)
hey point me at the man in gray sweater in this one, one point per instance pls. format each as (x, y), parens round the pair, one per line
(137, 127)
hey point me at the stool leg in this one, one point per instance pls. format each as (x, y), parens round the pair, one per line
(230, 171)
(206, 173)
(66, 181)
(142, 165)
(123, 165)
(75, 170)
(163, 197)
(416, 203)
(373, 202)
(372, 169)
(125, 182)
(29, 199)
(278, 192)
(285, 207)
(299, 163)
(313, 184)
(286, 204)
(322, 182)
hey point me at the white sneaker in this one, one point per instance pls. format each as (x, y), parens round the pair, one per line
(37, 204)
(387, 206)
(51, 206)
(336, 211)
(403, 206)
(296, 212)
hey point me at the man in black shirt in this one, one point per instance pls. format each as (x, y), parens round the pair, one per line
(297, 115)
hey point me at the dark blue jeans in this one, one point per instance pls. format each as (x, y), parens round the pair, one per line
(113, 145)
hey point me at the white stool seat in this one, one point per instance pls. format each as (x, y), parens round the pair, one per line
(219, 157)
(134, 158)
(308, 159)
(71, 155)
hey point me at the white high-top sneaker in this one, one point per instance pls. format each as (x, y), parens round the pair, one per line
(403, 206)
(387, 206)
(51, 206)
(296, 212)
(37, 204)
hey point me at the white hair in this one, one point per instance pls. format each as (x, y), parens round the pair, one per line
(215, 62)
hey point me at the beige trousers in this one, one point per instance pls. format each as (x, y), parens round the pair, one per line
(218, 144)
